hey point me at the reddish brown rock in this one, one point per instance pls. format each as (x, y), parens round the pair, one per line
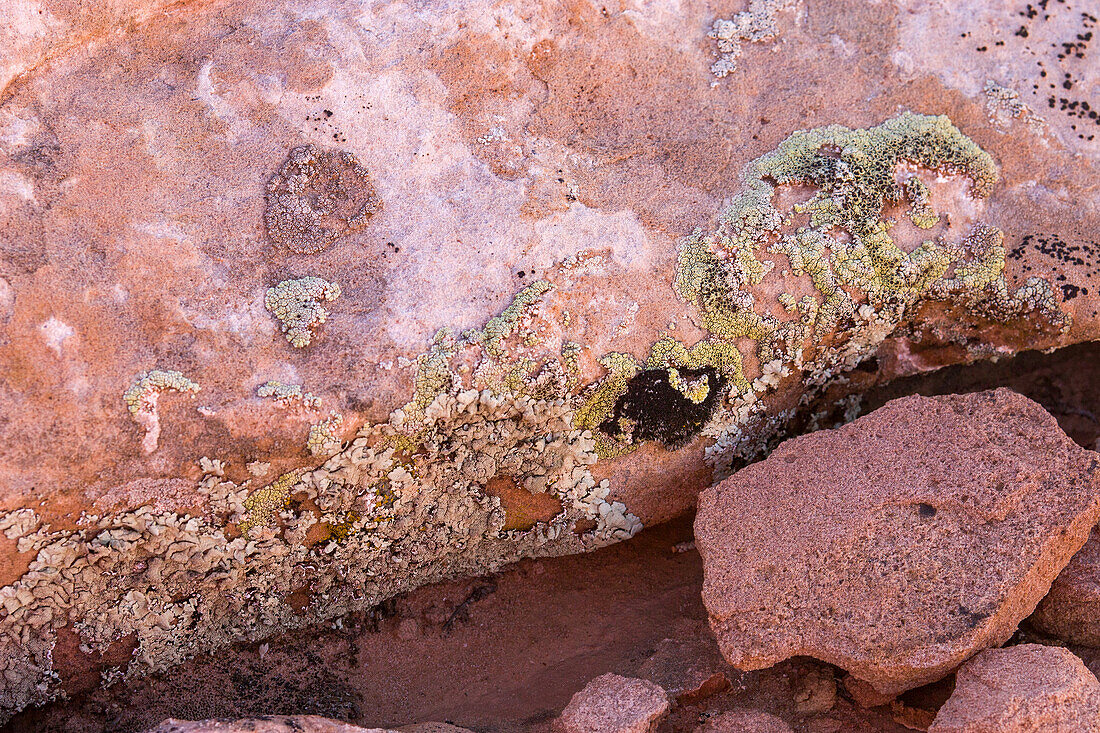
(688, 665)
(744, 721)
(1022, 688)
(864, 693)
(1071, 610)
(264, 724)
(614, 704)
(899, 545)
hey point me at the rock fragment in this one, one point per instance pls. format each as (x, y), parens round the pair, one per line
(614, 704)
(899, 545)
(1029, 687)
(1071, 611)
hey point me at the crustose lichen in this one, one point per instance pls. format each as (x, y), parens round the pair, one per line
(142, 397)
(297, 305)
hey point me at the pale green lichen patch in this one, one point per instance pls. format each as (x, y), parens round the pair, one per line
(289, 396)
(324, 437)
(864, 282)
(297, 305)
(142, 398)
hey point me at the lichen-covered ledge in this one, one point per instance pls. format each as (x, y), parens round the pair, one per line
(838, 240)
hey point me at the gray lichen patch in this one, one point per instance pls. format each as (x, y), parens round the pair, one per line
(316, 197)
(404, 503)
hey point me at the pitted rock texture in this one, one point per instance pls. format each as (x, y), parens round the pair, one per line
(1019, 689)
(265, 724)
(557, 240)
(899, 545)
(745, 721)
(614, 704)
(1071, 610)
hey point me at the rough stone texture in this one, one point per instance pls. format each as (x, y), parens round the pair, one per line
(745, 721)
(513, 145)
(614, 704)
(899, 545)
(266, 724)
(687, 665)
(1071, 610)
(1022, 688)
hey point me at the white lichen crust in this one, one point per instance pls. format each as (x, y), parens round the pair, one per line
(297, 305)
(142, 398)
(752, 26)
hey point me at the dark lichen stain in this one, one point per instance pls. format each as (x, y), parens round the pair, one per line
(927, 510)
(658, 411)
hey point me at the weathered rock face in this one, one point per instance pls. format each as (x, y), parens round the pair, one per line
(899, 545)
(300, 301)
(265, 724)
(1029, 687)
(614, 704)
(1071, 610)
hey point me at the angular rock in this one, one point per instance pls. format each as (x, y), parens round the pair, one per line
(265, 724)
(744, 721)
(899, 545)
(1019, 689)
(614, 704)
(506, 194)
(1071, 610)
(687, 666)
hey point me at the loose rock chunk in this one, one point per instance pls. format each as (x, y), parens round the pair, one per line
(897, 546)
(1071, 611)
(1029, 687)
(614, 704)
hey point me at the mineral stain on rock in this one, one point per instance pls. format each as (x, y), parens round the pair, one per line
(316, 197)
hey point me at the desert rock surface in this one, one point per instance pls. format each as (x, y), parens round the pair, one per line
(305, 304)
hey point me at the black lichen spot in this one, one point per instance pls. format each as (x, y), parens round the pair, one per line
(658, 411)
(926, 510)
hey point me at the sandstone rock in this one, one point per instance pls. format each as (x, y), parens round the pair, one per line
(864, 693)
(528, 175)
(1029, 687)
(744, 721)
(265, 724)
(688, 666)
(899, 545)
(614, 704)
(1071, 610)
(432, 728)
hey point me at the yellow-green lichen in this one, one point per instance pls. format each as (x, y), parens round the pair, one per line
(264, 504)
(297, 305)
